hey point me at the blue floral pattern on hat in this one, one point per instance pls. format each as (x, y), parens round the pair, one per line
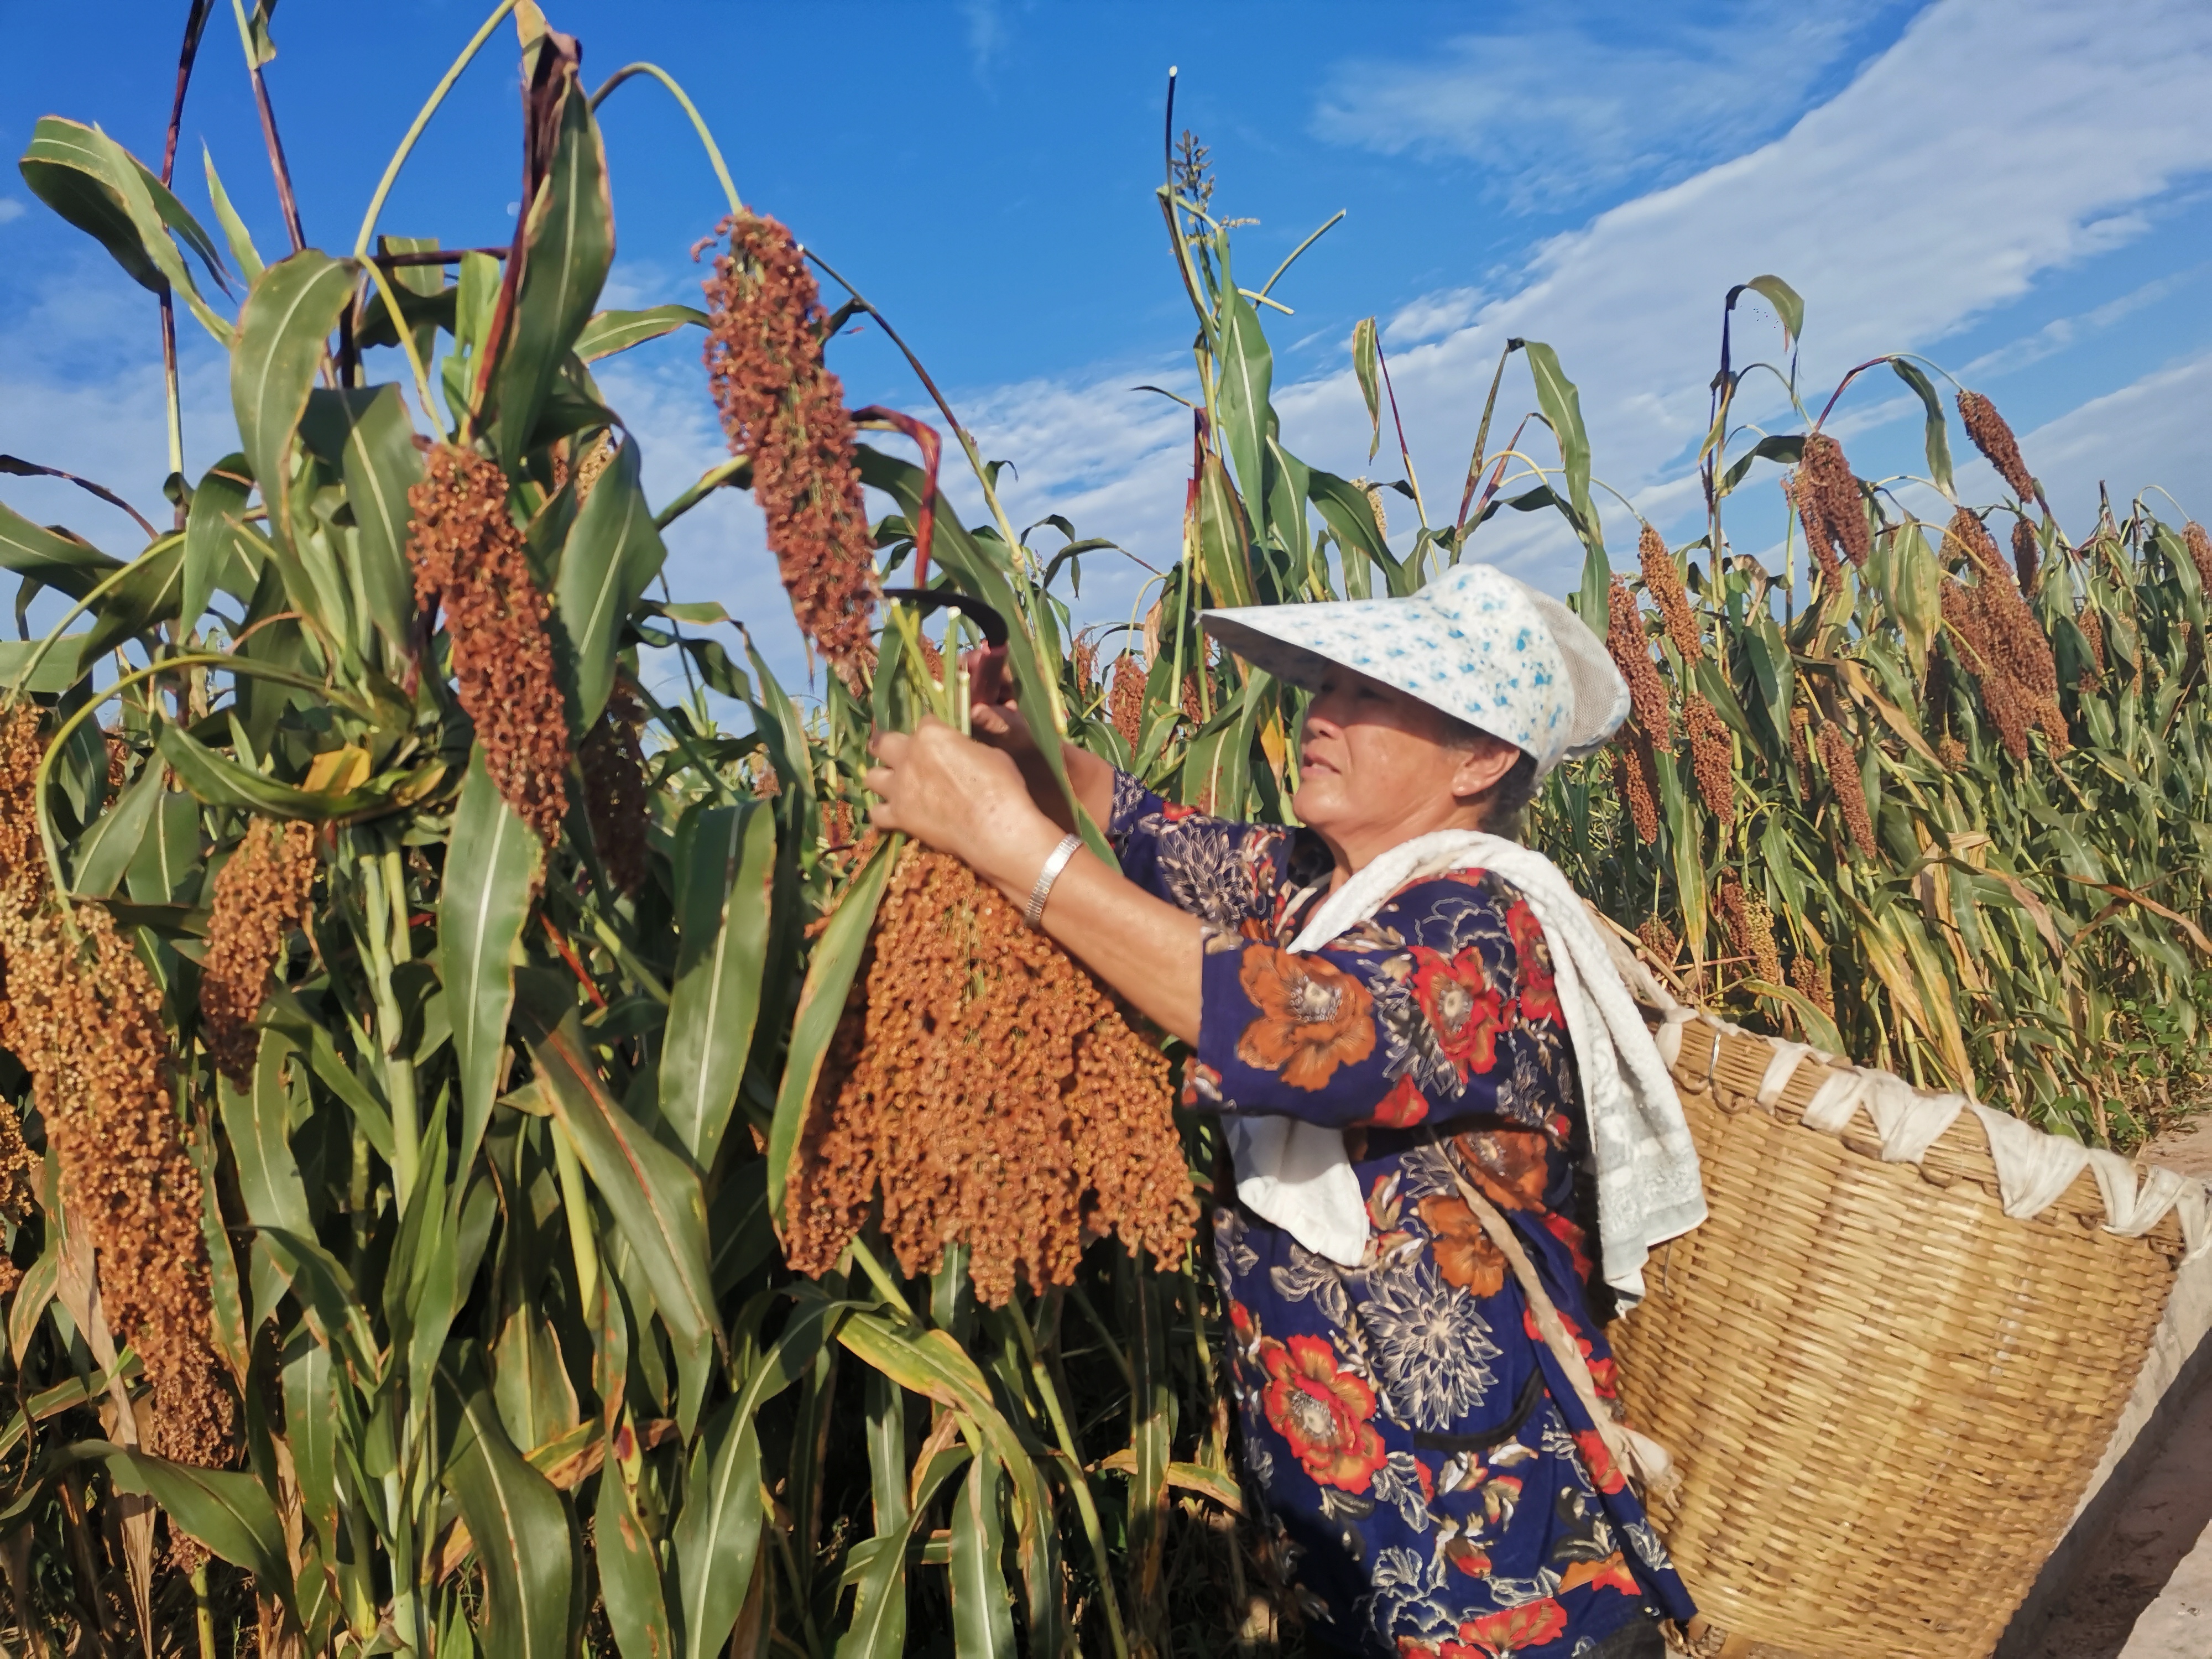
(1475, 642)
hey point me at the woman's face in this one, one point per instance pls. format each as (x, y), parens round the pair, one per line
(1376, 766)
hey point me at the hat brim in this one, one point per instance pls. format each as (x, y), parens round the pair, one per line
(1284, 640)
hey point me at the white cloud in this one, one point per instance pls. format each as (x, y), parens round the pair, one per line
(1434, 314)
(10, 209)
(1558, 114)
(2060, 332)
(987, 34)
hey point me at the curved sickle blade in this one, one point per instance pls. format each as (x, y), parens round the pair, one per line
(927, 599)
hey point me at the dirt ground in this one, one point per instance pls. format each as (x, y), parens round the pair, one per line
(2166, 1515)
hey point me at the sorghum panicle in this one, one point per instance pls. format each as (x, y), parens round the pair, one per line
(1126, 702)
(1808, 977)
(616, 798)
(1843, 764)
(1631, 759)
(1664, 583)
(1750, 927)
(991, 1093)
(1712, 758)
(260, 896)
(2193, 538)
(1990, 434)
(782, 408)
(2026, 555)
(1803, 496)
(1632, 655)
(1842, 508)
(468, 555)
(83, 1016)
(1801, 722)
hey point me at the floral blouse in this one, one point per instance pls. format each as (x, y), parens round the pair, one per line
(1431, 1472)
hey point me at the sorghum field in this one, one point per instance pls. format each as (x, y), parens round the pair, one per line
(494, 1158)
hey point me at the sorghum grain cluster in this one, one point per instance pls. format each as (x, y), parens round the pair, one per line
(469, 556)
(780, 406)
(992, 1093)
(260, 896)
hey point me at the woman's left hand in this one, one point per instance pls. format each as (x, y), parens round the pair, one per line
(961, 798)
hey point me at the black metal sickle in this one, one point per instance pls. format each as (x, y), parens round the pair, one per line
(927, 599)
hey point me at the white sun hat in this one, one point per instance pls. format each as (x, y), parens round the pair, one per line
(1476, 643)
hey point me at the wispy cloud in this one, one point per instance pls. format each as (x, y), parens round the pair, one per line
(1562, 112)
(2061, 332)
(1434, 314)
(10, 209)
(987, 34)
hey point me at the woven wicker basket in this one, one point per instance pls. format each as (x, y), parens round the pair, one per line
(1885, 1396)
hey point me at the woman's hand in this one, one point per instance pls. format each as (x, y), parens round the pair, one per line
(961, 798)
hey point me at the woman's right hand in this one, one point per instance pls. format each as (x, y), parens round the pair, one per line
(994, 718)
(996, 721)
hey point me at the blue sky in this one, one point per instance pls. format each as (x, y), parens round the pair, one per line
(2017, 189)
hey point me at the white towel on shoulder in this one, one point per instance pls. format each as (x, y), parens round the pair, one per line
(1296, 1174)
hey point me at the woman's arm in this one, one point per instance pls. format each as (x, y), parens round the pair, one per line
(977, 804)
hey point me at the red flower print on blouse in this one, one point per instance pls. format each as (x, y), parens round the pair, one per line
(1322, 1411)
(1604, 1474)
(1613, 1573)
(1540, 997)
(1463, 1009)
(1510, 1165)
(1202, 1084)
(1314, 1017)
(1495, 1635)
(1403, 1107)
(1464, 1255)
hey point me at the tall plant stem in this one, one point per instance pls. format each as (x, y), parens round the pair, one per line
(195, 24)
(698, 122)
(383, 936)
(278, 165)
(421, 120)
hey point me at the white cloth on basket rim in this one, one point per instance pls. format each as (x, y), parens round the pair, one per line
(2034, 1169)
(1297, 1175)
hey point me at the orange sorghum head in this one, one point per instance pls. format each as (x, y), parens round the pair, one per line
(1632, 768)
(1659, 939)
(1994, 439)
(1632, 655)
(1843, 764)
(2027, 554)
(615, 797)
(1712, 758)
(1808, 975)
(1750, 927)
(1664, 583)
(83, 1016)
(1126, 702)
(1843, 508)
(260, 896)
(468, 555)
(2193, 538)
(990, 1093)
(1801, 495)
(782, 407)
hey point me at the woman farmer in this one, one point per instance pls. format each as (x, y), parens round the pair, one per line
(1395, 1013)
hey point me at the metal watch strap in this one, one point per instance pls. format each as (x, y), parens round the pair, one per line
(1055, 861)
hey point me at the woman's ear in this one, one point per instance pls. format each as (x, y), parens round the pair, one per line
(1481, 767)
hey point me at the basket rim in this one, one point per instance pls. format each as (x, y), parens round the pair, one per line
(1881, 1116)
